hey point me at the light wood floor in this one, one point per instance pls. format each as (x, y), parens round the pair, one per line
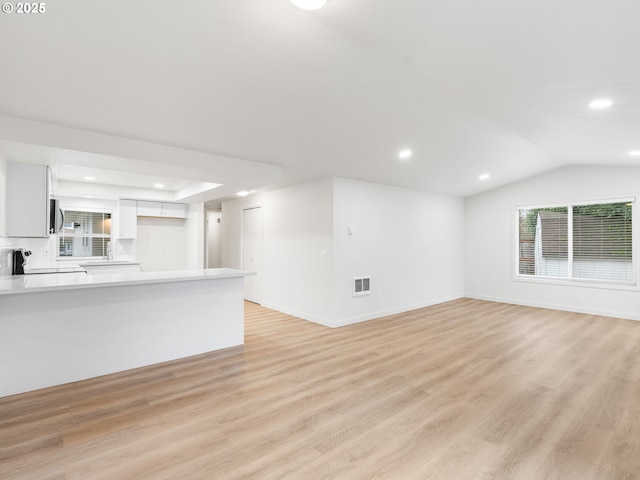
(462, 390)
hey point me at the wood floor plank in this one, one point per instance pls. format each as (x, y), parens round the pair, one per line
(463, 389)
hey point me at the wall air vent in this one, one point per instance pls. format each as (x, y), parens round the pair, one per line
(361, 286)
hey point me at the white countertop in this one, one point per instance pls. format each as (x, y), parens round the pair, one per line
(71, 281)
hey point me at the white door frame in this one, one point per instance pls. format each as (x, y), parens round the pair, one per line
(258, 277)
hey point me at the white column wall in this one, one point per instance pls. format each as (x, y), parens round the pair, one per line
(489, 249)
(195, 230)
(297, 226)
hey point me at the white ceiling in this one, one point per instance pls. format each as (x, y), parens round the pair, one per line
(254, 94)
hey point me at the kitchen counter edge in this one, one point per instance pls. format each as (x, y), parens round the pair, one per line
(20, 284)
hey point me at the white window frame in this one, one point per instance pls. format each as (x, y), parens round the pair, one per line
(582, 282)
(72, 258)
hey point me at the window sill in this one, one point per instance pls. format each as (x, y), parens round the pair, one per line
(79, 259)
(577, 283)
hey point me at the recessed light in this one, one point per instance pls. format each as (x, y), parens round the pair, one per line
(484, 176)
(242, 193)
(90, 179)
(158, 185)
(404, 154)
(634, 153)
(600, 103)
(88, 196)
(309, 4)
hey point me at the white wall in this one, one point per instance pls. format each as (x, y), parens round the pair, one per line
(490, 241)
(162, 244)
(297, 225)
(409, 242)
(195, 240)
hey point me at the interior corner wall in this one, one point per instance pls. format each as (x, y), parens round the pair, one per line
(489, 249)
(297, 229)
(408, 242)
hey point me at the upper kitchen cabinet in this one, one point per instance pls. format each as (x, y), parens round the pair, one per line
(127, 218)
(174, 210)
(158, 209)
(28, 200)
(150, 209)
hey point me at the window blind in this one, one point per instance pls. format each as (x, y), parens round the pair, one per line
(584, 242)
(84, 234)
(602, 242)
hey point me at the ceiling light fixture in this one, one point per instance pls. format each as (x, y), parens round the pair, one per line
(600, 104)
(309, 4)
(158, 185)
(243, 193)
(484, 176)
(634, 153)
(404, 154)
(90, 179)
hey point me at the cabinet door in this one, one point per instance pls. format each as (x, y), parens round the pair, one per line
(127, 218)
(174, 210)
(149, 209)
(27, 200)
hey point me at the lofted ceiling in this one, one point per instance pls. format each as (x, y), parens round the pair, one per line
(256, 94)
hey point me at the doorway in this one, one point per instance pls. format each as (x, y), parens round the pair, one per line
(252, 253)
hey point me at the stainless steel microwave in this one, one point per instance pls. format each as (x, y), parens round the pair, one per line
(56, 216)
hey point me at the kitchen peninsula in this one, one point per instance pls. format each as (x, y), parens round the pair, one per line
(61, 328)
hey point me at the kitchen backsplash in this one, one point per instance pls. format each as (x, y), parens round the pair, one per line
(42, 251)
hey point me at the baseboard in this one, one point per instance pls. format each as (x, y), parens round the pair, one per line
(295, 313)
(394, 311)
(564, 308)
(362, 318)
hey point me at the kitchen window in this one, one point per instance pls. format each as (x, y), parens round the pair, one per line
(589, 242)
(84, 234)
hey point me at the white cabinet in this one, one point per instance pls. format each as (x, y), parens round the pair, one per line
(127, 218)
(174, 210)
(158, 209)
(28, 200)
(149, 209)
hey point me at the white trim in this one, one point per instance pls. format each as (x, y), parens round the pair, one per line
(362, 318)
(243, 209)
(570, 280)
(88, 209)
(571, 203)
(576, 282)
(564, 308)
(570, 245)
(113, 220)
